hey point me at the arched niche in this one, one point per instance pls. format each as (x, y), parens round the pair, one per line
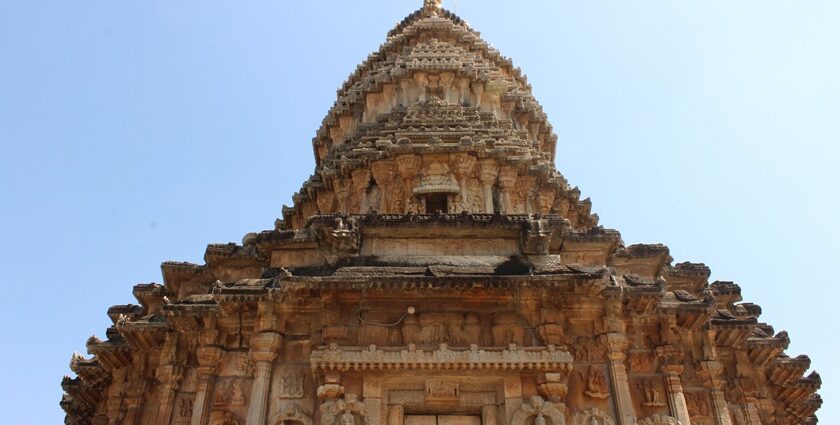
(539, 412)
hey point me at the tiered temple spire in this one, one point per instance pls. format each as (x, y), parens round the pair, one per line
(437, 270)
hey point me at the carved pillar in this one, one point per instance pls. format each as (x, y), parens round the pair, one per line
(478, 90)
(342, 191)
(372, 395)
(676, 398)
(507, 181)
(616, 343)
(396, 415)
(408, 166)
(488, 172)
(169, 378)
(721, 407)
(264, 349)
(384, 174)
(488, 415)
(208, 359)
(463, 166)
(361, 180)
(137, 387)
(464, 91)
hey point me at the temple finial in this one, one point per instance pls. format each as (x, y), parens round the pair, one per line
(432, 5)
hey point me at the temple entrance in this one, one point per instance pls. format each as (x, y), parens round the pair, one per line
(442, 420)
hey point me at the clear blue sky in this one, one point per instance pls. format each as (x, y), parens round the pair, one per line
(138, 132)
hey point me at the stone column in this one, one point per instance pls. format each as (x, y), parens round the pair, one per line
(507, 181)
(208, 359)
(408, 166)
(488, 172)
(384, 174)
(715, 382)
(616, 343)
(372, 399)
(463, 166)
(488, 415)
(169, 378)
(676, 398)
(264, 349)
(396, 415)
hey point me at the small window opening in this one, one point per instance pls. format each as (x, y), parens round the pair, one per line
(437, 202)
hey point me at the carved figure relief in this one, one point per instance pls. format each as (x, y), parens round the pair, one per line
(229, 395)
(698, 404)
(653, 393)
(659, 420)
(541, 412)
(586, 349)
(507, 330)
(593, 417)
(346, 411)
(183, 411)
(436, 328)
(642, 362)
(291, 386)
(596, 384)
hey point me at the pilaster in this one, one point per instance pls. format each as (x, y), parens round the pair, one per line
(208, 359)
(721, 409)
(676, 398)
(616, 343)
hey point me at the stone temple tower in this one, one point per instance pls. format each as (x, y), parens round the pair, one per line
(437, 270)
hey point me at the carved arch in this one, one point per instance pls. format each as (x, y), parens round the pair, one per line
(593, 416)
(291, 413)
(537, 407)
(659, 420)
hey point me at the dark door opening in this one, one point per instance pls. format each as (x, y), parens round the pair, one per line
(437, 202)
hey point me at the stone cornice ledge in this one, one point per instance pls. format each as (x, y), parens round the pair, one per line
(513, 358)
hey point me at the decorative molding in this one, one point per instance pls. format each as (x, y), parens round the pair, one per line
(337, 358)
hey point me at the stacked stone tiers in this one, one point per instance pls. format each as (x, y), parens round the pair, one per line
(437, 270)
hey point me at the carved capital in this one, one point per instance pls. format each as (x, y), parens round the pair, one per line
(488, 171)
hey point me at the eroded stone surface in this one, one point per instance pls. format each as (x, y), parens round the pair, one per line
(437, 270)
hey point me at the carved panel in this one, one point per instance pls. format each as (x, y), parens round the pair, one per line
(593, 417)
(659, 420)
(436, 328)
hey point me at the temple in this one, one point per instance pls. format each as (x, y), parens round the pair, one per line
(436, 269)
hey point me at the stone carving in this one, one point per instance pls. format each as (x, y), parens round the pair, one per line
(543, 412)
(659, 420)
(436, 328)
(183, 411)
(536, 237)
(291, 386)
(515, 270)
(442, 391)
(698, 404)
(291, 415)
(230, 395)
(642, 362)
(596, 384)
(347, 411)
(508, 330)
(653, 393)
(586, 349)
(227, 418)
(593, 417)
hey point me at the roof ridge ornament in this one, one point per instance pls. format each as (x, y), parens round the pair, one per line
(432, 6)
